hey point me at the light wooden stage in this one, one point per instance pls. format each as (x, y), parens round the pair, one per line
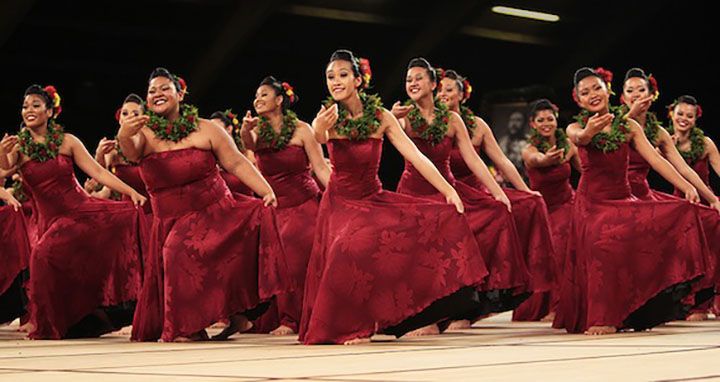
(493, 350)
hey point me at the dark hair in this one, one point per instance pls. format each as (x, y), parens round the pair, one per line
(583, 73)
(453, 75)
(539, 105)
(635, 73)
(420, 62)
(162, 72)
(133, 98)
(223, 117)
(40, 91)
(280, 90)
(688, 99)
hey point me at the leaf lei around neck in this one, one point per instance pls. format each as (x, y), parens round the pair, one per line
(366, 125)
(469, 118)
(237, 137)
(607, 142)
(652, 125)
(120, 153)
(268, 136)
(175, 130)
(435, 132)
(697, 146)
(18, 191)
(44, 151)
(543, 144)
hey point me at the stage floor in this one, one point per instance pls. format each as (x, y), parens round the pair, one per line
(493, 350)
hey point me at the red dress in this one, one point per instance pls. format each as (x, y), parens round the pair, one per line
(14, 256)
(491, 223)
(382, 260)
(554, 184)
(630, 262)
(130, 174)
(211, 254)
(87, 256)
(702, 168)
(235, 185)
(288, 172)
(637, 175)
(533, 228)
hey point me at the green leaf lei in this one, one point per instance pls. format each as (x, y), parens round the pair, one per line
(270, 138)
(435, 132)
(364, 126)
(607, 142)
(543, 144)
(176, 130)
(469, 118)
(44, 151)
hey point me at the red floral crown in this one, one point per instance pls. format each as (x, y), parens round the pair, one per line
(183, 86)
(289, 91)
(365, 72)
(55, 98)
(232, 117)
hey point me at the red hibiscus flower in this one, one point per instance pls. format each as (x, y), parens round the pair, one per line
(354, 133)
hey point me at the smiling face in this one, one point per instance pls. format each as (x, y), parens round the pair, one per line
(593, 94)
(130, 109)
(163, 96)
(266, 100)
(418, 83)
(449, 93)
(544, 122)
(341, 80)
(35, 112)
(684, 116)
(634, 89)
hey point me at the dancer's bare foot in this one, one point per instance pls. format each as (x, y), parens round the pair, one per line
(430, 330)
(459, 325)
(600, 330)
(220, 324)
(549, 318)
(697, 316)
(125, 331)
(282, 330)
(238, 324)
(357, 341)
(26, 328)
(199, 336)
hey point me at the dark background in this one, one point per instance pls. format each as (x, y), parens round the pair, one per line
(96, 54)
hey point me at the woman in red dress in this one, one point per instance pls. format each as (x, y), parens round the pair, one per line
(286, 150)
(698, 150)
(212, 256)
(381, 261)
(229, 121)
(639, 91)
(87, 258)
(630, 262)
(489, 216)
(528, 208)
(547, 161)
(14, 255)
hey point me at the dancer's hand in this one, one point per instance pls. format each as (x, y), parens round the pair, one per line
(137, 199)
(270, 200)
(640, 106)
(132, 125)
(326, 118)
(692, 195)
(554, 156)
(400, 111)
(249, 122)
(716, 206)
(91, 185)
(105, 147)
(598, 122)
(9, 144)
(454, 199)
(10, 200)
(502, 198)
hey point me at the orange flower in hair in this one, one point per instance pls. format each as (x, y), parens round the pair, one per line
(289, 91)
(467, 89)
(55, 97)
(365, 71)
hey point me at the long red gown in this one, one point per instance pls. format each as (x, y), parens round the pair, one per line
(637, 175)
(130, 174)
(212, 254)
(14, 257)
(87, 256)
(382, 260)
(235, 185)
(533, 228)
(630, 262)
(492, 225)
(288, 172)
(554, 184)
(702, 168)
